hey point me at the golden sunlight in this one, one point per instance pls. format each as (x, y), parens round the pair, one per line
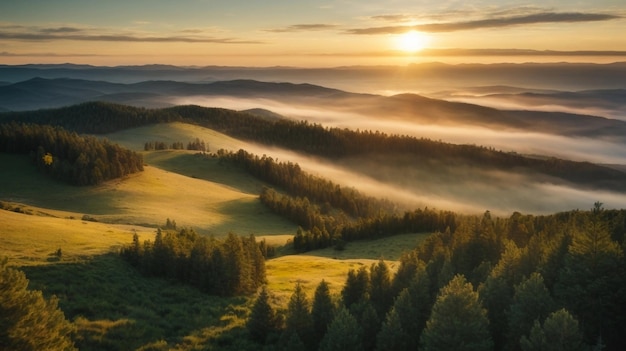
(412, 41)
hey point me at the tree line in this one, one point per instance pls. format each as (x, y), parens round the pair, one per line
(290, 177)
(229, 267)
(314, 139)
(328, 213)
(197, 145)
(67, 156)
(520, 283)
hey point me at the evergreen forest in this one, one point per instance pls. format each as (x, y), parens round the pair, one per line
(477, 282)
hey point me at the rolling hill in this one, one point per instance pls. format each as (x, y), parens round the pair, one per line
(113, 306)
(413, 171)
(39, 93)
(148, 198)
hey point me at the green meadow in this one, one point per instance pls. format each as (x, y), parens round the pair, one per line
(67, 239)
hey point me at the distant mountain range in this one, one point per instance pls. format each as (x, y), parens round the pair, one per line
(415, 77)
(42, 93)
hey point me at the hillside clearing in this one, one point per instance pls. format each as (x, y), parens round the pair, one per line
(135, 138)
(34, 239)
(147, 199)
(331, 265)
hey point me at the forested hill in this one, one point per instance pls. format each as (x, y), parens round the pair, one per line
(315, 139)
(68, 156)
(40, 93)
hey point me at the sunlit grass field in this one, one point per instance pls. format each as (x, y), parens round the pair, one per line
(332, 265)
(115, 307)
(135, 138)
(48, 232)
(147, 199)
(36, 239)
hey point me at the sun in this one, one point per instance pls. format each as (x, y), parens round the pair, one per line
(412, 41)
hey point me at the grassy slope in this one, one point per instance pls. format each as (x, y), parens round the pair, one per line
(116, 308)
(112, 305)
(34, 239)
(135, 138)
(332, 266)
(147, 198)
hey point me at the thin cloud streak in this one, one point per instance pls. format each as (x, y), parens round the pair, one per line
(47, 54)
(123, 38)
(61, 30)
(546, 17)
(303, 28)
(9, 32)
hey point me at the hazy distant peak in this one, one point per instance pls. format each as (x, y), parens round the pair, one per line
(264, 113)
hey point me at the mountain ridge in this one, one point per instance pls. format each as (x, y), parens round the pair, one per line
(39, 92)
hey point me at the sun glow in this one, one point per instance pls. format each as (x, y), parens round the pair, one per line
(412, 41)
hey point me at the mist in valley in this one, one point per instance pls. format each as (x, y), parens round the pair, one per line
(456, 187)
(463, 188)
(447, 186)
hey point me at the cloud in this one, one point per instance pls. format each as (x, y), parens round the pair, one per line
(45, 54)
(303, 28)
(10, 32)
(192, 31)
(61, 30)
(393, 18)
(406, 17)
(498, 22)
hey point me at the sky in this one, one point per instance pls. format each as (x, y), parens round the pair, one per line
(309, 33)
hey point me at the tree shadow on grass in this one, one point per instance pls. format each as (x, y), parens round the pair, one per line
(211, 169)
(251, 217)
(116, 308)
(388, 248)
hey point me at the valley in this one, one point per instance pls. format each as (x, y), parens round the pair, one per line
(423, 192)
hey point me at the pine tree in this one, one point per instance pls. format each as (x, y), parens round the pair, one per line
(294, 343)
(298, 319)
(27, 320)
(559, 332)
(532, 301)
(356, 287)
(458, 321)
(498, 290)
(392, 336)
(322, 311)
(370, 323)
(407, 318)
(344, 333)
(263, 320)
(414, 310)
(591, 283)
(380, 291)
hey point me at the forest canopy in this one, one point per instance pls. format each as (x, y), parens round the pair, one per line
(229, 267)
(67, 156)
(315, 139)
(520, 283)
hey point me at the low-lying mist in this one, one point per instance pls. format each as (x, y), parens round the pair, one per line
(435, 184)
(603, 151)
(456, 187)
(513, 102)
